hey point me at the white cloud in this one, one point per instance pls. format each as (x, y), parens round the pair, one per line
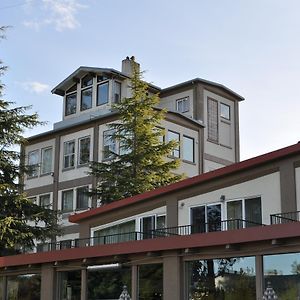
(58, 13)
(35, 86)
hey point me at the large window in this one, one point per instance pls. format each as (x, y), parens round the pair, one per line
(102, 93)
(82, 197)
(174, 136)
(46, 167)
(45, 200)
(69, 285)
(206, 218)
(84, 151)
(71, 104)
(33, 163)
(244, 213)
(183, 105)
(212, 122)
(69, 154)
(188, 149)
(67, 201)
(226, 278)
(109, 144)
(86, 99)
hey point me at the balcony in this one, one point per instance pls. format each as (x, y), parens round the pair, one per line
(226, 225)
(284, 218)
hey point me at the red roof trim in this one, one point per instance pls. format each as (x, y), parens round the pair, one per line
(247, 235)
(237, 167)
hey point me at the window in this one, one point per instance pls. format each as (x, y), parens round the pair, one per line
(67, 201)
(212, 123)
(244, 213)
(109, 144)
(174, 136)
(46, 160)
(102, 78)
(45, 200)
(82, 198)
(86, 81)
(84, 151)
(117, 92)
(188, 149)
(102, 93)
(86, 99)
(33, 163)
(69, 154)
(225, 111)
(71, 104)
(183, 105)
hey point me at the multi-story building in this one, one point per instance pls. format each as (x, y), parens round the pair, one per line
(202, 116)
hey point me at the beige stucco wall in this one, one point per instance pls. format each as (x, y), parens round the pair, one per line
(169, 102)
(267, 187)
(77, 171)
(297, 178)
(41, 179)
(225, 149)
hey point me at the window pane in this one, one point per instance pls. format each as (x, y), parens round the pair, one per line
(69, 285)
(253, 211)
(225, 111)
(86, 81)
(69, 154)
(84, 151)
(174, 136)
(188, 149)
(86, 99)
(109, 144)
(234, 214)
(102, 78)
(33, 163)
(73, 88)
(45, 200)
(46, 161)
(82, 198)
(198, 219)
(183, 105)
(212, 123)
(214, 217)
(102, 93)
(147, 227)
(71, 103)
(117, 92)
(227, 278)
(67, 201)
(161, 222)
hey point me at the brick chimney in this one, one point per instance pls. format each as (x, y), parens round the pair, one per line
(128, 64)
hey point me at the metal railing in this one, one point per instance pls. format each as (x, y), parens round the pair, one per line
(287, 217)
(157, 233)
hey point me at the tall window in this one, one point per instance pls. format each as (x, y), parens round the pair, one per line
(46, 160)
(117, 92)
(84, 151)
(86, 99)
(67, 201)
(102, 93)
(188, 149)
(212, 120)
(33, 163)
(71, 104)
(82, 198)
(174, 136)
(69, 154)
(45, 200)
(183, 105)
(109, 144)
(225, 111)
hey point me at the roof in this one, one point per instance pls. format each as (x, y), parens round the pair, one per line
(65, 84)
(196, 180)
(204, 81)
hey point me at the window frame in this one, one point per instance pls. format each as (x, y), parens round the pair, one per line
(222, 104)
(109, 157)
(43, 195)
(42, 160)
(183, 152)
(81, 97)
(209, 136)
(79, 151)
(62, 201)
(66, 98)
(35, 167)
(177, 150)
(185, 104)
(69, 155)
(114, 91)
(102, 83)
(86, 187)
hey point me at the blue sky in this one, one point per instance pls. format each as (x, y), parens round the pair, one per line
(251, 47)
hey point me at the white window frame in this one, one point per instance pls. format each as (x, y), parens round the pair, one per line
(229, 111)
(79, 150)
(47, 194)
(177, 149)
(62, 198)
(76, 198)
(183, 154)
(35, 166)
(42, 160)
(184, 103)
(69, 155)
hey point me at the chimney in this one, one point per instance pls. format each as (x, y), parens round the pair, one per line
(128, 65)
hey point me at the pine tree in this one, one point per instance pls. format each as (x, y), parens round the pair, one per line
(140, 162)
(21, 221)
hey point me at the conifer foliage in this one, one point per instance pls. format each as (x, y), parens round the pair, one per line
(21, 221)
(138, 161)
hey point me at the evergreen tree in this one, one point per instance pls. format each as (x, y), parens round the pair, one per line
(138, 162)
(21, 221)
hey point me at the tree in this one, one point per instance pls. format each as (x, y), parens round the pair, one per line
(137, 161)
(21, 221)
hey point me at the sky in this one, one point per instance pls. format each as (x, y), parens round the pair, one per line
(252, 47)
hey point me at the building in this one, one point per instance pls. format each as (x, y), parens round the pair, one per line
(202, 115)
(224, 234)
